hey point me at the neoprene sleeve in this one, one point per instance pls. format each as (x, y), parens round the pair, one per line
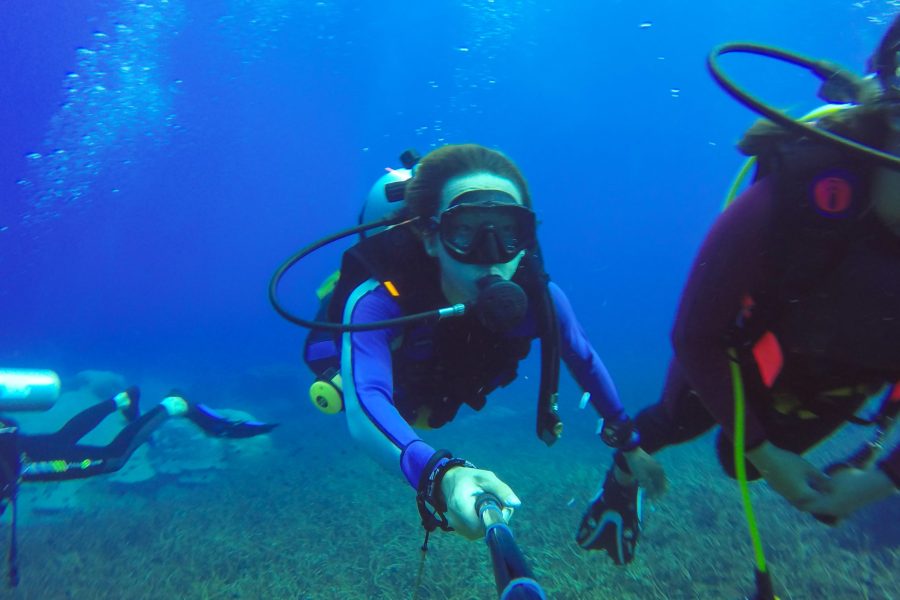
(368, 380)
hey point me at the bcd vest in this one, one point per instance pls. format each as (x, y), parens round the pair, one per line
(835, 298)
(438, 367)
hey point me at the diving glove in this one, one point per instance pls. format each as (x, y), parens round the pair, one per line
(613, 520)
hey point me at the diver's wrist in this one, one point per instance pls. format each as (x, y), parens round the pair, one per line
(763, 457)
(440, 477)
(430, 498)
(890, 472)
(759, 452)
(881, 484)
(621, 434)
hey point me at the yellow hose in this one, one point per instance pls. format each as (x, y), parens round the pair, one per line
(740, 468)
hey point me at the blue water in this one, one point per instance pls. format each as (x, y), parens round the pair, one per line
(161, 158)
(226, 136)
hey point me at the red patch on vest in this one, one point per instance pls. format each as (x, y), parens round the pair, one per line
(769, 358)
(895, 393)
(833, 195)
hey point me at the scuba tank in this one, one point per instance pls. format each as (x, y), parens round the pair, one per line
(384, 201)
(28, 389)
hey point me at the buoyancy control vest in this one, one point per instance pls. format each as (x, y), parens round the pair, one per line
(439, 366)
(836, 294)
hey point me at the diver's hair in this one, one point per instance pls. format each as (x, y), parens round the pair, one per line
(883, 59)
(423, 192)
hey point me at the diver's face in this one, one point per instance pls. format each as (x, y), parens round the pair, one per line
(458, 279)
(886, 191)
(887, 200)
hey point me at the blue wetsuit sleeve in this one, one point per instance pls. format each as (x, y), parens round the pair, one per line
(583, 361)
(367, 375)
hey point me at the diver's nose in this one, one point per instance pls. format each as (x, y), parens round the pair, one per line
(494, 249)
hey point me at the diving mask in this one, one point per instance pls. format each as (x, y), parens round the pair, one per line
(486, 227)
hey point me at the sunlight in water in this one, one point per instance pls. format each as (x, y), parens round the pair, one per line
(113, 102)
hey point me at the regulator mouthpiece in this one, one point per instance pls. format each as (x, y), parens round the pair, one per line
(501, 304)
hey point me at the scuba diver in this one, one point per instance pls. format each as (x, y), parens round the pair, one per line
(464, 235)
(795, 294)
(58, 456)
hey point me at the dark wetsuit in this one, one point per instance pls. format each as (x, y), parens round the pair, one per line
(58, 456)
(839, 336)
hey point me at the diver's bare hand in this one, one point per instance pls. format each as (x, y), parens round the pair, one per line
(461, 487)
(648, 472)
(852, 489)
(791, 475)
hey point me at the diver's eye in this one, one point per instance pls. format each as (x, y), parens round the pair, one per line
(510, 236)
(462, 236)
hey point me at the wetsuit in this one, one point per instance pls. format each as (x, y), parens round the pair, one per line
(58, 456)
(838, 332)
(390, 376)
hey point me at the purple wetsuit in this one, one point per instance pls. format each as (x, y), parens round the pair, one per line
(368, 371)
(824, 348)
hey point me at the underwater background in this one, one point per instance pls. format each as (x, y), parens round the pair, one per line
(159, 160)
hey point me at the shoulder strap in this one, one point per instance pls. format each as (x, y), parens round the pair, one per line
(822, 205)
(535, 281)
(395, 255)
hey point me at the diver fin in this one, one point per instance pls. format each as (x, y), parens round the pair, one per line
(613, 520)
(217, 425)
